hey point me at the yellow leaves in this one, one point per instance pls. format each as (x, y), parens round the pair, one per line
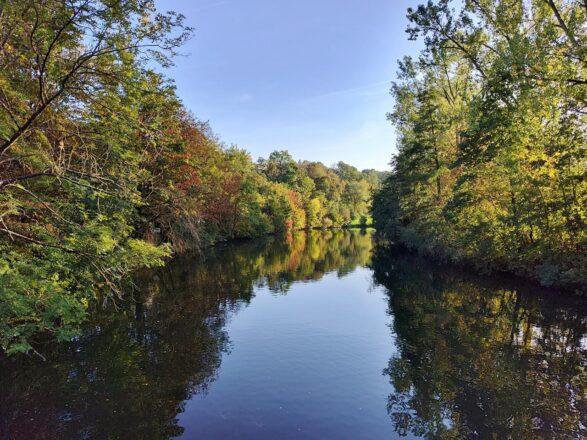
(4, 267)
(105, 241)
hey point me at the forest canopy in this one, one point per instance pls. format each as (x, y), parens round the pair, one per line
(103, 170)
(491, 118)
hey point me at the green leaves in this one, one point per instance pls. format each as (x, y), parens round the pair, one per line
(74, 130)
(491, 166)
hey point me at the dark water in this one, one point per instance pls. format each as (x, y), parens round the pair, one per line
(325, 337)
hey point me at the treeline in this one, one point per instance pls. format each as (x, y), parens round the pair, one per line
(103, 170)
(491, 120)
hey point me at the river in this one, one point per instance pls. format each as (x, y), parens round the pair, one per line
(326, 335)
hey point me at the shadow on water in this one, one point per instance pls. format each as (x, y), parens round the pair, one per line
(130, 372)
(482, 357)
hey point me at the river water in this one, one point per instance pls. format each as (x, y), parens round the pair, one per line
(326, 335)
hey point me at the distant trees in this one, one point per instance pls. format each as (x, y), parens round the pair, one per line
(279, 167)
(328, 196)
(492, 160)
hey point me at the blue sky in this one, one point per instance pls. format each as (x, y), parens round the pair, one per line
(309, 76)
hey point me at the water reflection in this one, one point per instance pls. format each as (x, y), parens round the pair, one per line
(479, 358)
(130, 373)
(474, 357)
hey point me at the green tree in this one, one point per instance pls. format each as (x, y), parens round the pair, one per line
(491, 160)
(74, 78)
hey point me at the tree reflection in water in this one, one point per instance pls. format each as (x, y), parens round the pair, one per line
(482, 359)
(129, 374)
(475, 357)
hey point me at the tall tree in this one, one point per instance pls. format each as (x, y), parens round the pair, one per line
(491, 166)
(75, 78)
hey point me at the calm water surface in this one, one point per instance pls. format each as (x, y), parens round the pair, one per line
(325, 336)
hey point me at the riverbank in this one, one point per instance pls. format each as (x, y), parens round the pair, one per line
(575, 287)
(550, 280)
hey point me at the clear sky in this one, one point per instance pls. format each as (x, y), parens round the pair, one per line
(309, 76)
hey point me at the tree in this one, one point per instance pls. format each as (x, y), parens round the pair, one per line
(491, 161)
(74, 78)
(279, 167)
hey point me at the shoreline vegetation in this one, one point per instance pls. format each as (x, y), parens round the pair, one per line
(491, 168)
(104, 171)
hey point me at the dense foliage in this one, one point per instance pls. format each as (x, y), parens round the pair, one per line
(492, 142)
(103, 171)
